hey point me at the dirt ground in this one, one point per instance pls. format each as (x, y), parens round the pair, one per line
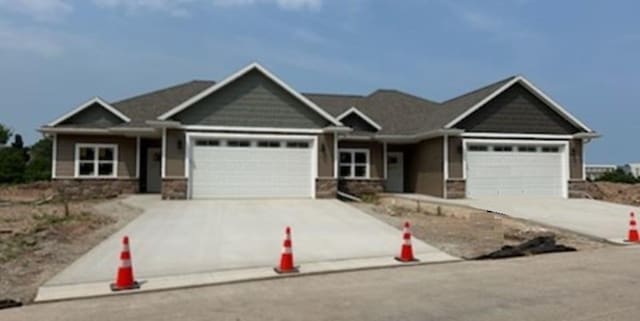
(473, 235)
(615, 192)
(38, 238)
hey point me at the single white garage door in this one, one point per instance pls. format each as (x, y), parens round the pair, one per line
(515, 170)
(246, 168)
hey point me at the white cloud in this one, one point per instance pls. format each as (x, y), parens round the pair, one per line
(41, 10)
(28, 40)
(284, 4)
(177, 8)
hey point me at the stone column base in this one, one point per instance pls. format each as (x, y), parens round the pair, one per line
(78, 189)
(360, 187)
(578, 188)
(174, 188)
(456, 188)
(326, 187)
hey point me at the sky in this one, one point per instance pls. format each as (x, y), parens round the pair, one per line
(57, 54)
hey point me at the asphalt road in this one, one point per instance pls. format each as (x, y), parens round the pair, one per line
(596, 285)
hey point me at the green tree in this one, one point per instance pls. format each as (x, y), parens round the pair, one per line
(5, 134)
(12, 165)
(618, 176)
(39, 165)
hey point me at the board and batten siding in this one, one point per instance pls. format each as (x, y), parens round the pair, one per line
(175, 153)
(425, 167)
(66, 149)
(455, 158)
(575, 159)
(253, 100)
(325, 155)
(516, 110)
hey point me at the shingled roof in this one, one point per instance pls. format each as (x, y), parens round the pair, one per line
(398, 113)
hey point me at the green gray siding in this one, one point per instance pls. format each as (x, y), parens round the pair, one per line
(94, 116)
(516, 110)
(358, 124)
(252, 101)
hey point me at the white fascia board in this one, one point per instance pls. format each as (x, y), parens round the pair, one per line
(239, 74)
(253, 129)
(563, 112)
(63, 130)
(516, 135)
(534, 90)
(94, 100)
(354, 110)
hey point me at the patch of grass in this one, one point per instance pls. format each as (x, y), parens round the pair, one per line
(370, 198)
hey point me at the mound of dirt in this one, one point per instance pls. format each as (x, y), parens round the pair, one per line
(615, 192)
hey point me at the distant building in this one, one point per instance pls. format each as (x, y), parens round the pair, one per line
(632, 168)
(593, 172)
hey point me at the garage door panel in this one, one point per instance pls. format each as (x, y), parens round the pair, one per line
(250, 172)
(497, 173)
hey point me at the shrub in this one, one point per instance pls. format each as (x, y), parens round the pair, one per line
(618, 176)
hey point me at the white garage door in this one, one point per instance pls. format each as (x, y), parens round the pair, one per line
(515, 170)
(249, 168)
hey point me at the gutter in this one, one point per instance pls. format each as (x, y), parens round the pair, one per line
(409, 138)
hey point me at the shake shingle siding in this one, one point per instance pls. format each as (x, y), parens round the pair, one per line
(516, 110)
(94, 116)
(252, 101)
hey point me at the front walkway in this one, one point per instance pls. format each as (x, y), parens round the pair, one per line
(182, 243)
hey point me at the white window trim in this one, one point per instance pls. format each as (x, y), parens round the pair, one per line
(564, 150)
(353, 162)
(95, 160)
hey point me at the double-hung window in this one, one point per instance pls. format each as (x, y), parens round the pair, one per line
(354, 163)
(96, 160)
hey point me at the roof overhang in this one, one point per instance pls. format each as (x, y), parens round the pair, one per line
(354, 110)
(87, 104)
(407, 139)
(125, 131)
(240, 73)
(534, 90)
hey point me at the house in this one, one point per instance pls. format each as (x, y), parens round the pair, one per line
(594, 171)
(252, 135)
(632, 168)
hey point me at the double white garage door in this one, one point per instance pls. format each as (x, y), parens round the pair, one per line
(251, 168)
(515, 169)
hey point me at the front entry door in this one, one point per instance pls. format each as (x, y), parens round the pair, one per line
(395, 172)
(154, 160)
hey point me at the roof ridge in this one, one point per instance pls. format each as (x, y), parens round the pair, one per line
(406, 94)
(157, 91)
(329, 94)
(479, 89)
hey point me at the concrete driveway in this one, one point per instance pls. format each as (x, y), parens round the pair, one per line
(178, 238)
(603, 220)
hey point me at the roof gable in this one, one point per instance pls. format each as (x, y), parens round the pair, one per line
(483, 96)
(241, 73)
(87, 111)
(253, 100)
(348, 118)
(517, 110)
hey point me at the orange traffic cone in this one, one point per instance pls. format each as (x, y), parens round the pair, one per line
(286, 260)
(406, 253)
(633, 229)
(124, 279)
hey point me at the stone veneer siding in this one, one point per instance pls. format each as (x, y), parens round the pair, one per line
(326, 187)
(174, 188)
(95, 188)
(456, 188)
(359, 187)
(577, 188)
